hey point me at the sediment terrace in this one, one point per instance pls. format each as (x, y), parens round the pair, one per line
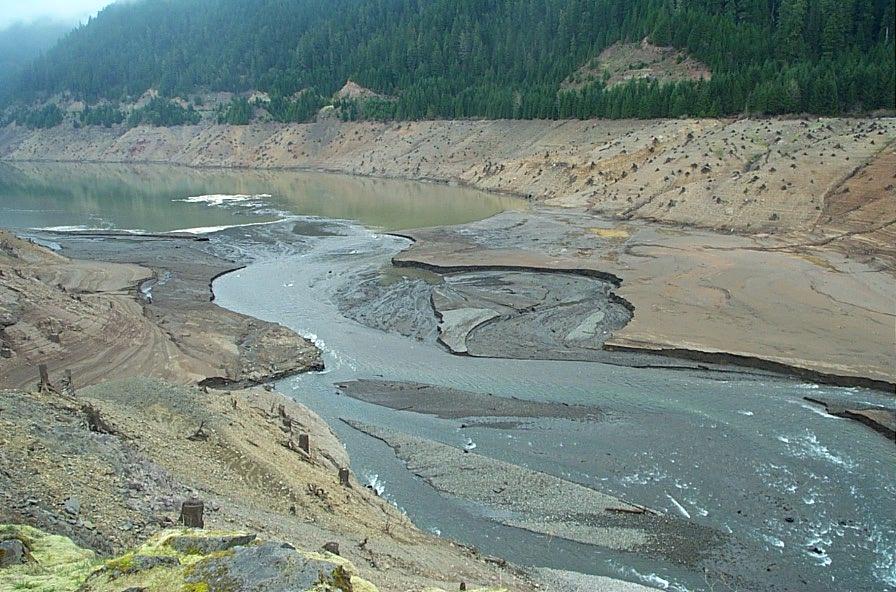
(696, 294)
(756, 241)
(140, 307)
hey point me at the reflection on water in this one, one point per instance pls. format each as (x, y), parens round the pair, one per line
(154, 198)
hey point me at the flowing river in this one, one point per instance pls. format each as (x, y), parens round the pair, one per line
(800, 500)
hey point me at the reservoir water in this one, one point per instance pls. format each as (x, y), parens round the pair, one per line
(801, 500)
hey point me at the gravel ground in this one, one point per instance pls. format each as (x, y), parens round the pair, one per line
(571, 511)
(449, 403)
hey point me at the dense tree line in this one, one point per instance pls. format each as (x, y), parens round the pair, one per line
(479, 58)
(238, 112)
(105, 115)
(298, 108)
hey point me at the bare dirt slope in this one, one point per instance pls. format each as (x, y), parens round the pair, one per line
(859, 217)
(110, 491)
(622, 62)
(86, 316)
(741, 175)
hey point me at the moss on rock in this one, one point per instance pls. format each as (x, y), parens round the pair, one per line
(178, 560)
(55, 563)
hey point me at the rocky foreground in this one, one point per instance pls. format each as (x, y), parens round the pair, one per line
(110, 467)
(187, 560)
(108, 463)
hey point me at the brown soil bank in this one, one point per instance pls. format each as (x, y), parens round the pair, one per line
(742, 175)
(89, 317)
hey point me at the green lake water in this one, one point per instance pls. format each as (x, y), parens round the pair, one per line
(161, 198)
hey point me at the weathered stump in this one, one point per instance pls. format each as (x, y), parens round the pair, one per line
(95, 421)
(68, 384)
(191, 513)
(44, 386)
(305, 443)
(332, 547)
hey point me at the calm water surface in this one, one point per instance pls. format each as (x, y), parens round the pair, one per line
(161, 198)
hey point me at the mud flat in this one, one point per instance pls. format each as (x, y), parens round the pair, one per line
(130, 305)
(524, 314)
(877, 418)
(755, 301)
(450, 403)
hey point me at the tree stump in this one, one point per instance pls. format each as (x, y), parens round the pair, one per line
(95, 421)
(191, 513)
(200, 435)
(331, 547)
(305, 443)
(68, 384)
(44, 386)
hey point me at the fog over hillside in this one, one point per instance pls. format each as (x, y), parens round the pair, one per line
(22, 42)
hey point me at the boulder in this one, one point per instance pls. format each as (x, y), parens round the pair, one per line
(204, 544)
(72, 506)
(269, 567)
(12, 552)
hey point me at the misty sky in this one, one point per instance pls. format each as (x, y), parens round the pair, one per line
(71, 11)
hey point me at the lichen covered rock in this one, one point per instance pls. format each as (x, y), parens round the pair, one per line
(48, 563)
(181, 560)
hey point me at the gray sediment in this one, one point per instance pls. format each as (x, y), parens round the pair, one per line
(450, 403)
(542, 503)
(878, 419)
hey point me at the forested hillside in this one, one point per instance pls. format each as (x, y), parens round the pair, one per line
(480, 58)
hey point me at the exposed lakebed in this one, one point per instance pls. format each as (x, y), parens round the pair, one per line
(749, 486)
(765, 490)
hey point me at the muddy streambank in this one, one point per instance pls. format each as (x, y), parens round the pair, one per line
(654, 437)
(671, 292)
(158, 320)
